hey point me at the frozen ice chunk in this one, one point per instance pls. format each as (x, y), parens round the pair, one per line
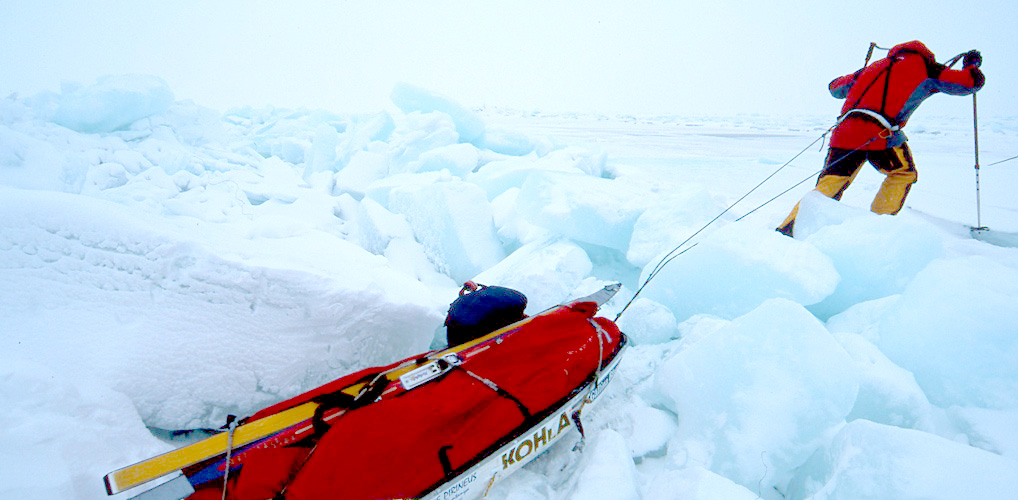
(513, 229)
(734, 269)
(380, 189)
(506, 142)
(757, 396)
(647, 429)
(376, 226)
(363, 169)
(546, 272)
(416, 134)
(954, 328)
(863, 318)
(817, 211)
(458, 159)
(867, 460)
(648, 322)
(409, 98)
(876, 256)
(105, 176)
(409, 257)
(669, 221)
(581, 207)
(588, 162)
(322, 154)
(453, 221)
(384, 233)
(522, 485)
(990, 430)
(606, 471)
(363, 132)
(695, 483)
(30, 163)
(502, 174)
(189, 123)
(267, 327)
(112, 103)
(67, 429)
(888, 394)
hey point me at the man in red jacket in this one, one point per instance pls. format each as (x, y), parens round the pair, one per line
(879, 98)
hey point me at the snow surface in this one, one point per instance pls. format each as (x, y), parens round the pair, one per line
(163, 265)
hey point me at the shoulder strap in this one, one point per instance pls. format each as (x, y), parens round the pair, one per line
(887, 85)
(879, 116)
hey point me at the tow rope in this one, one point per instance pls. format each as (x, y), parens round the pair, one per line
(602, 335)
(883, 121)
(231, 423)
(1002, 161)
(675, 252)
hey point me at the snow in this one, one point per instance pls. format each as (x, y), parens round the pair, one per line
(163, 265)
(606, 467)
(869, 460)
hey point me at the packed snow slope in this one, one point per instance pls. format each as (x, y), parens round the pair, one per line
(163, 266)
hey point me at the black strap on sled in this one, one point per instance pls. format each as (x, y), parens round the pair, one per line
(443, 452)
(500, 391)
(375, 384)
(443, 457)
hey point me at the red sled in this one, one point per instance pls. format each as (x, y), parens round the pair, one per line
(448, 426)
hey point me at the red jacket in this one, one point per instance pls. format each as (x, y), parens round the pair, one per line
(894, 87)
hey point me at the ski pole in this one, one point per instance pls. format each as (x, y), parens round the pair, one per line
(869, 53)
(975, 135)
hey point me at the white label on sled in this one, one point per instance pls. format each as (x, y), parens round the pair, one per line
(475, 482)
(429, 371)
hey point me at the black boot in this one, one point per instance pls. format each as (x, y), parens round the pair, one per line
(786, 229)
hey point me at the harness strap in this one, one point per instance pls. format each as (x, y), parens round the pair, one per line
(879, 118)
(887, 85)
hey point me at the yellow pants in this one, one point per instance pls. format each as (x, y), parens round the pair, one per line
(843, 165)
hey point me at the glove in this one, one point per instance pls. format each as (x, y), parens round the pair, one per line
(972, 58)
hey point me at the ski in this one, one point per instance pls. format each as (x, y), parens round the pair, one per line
(287, 425)
(174, 489)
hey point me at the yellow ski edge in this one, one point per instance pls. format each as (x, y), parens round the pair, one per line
(172, 461)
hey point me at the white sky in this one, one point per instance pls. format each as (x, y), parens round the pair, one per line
(632, 56)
